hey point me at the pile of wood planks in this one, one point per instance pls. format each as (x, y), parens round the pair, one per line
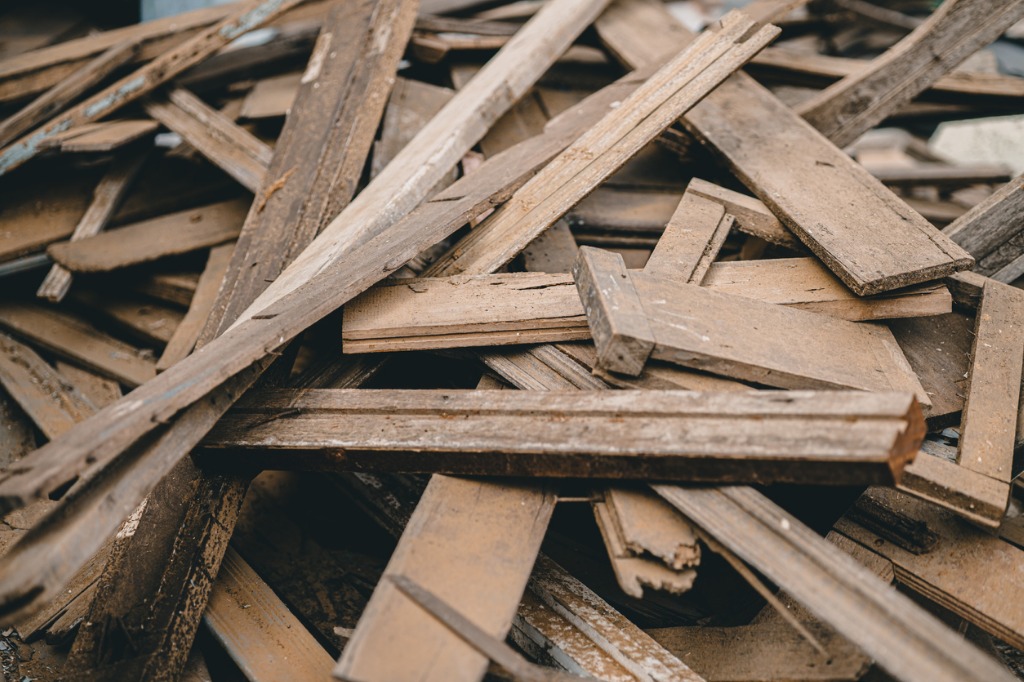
(384, 340)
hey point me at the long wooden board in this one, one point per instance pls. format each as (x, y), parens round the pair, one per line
(702, 437)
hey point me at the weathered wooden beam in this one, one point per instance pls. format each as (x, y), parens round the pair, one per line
(991, 232)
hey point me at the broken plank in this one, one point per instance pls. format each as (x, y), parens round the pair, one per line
(149, 240)
(70, 337)
(150, 323)
(905, 640)
(751, 215)
(868, 436)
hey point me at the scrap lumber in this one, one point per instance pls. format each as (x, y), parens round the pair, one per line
(963, 568)
(952, 33)
(237, 151)
(756, 134)
(674, 88)
(902, 638)
(730, 343)
(149, 240)
(145, 79)
(338, 107)
(691, 241)
(107, 196)
(411, 107)
(751, 215)
(516, 308)
(73, 338)
(152, 324)
(991, 232)
(730, 436)
(938, 349)
(425, 226)
(63, 93)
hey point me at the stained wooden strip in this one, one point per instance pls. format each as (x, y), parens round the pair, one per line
(144, 79)
(70, 337)
(942, 482)
(905, 640)
(956, 30)
(870, 238)
(232, 148)
(728, 437)
(149, 240)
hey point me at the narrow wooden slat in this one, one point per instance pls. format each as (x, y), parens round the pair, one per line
(906, 641)
(150, 240)
(145, 79)
(692, 240)
(751, 215)
(992, 224)
(232, 148)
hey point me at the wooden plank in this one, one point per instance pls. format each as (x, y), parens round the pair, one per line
(145, 79)
(149, 240)
(655, 105)
(692, 240)
(70, 337)
(412, 105)
(271, 97)
(422, 228)
(871, 240)
(615, 315)
(65, 92)
(183, 340)
(751, 215)
(99, 390)
(553, 251)
(176, 288)
(905, 641)
(53, 404)
(321, 151)
(938, 349)
(942, 482)
(152, 324)
(264, 639)
(940, 175)
(107, 196)
(230, 147)
(956, 30)
(964, 569)
(500, 521)
(990, 412)
(480, 433)
(991, 224)
(102, 136)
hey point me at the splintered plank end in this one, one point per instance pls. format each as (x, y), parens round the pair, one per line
(616, 318)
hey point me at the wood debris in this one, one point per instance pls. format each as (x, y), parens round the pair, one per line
(527, 295)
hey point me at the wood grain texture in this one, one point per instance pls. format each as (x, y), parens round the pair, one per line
(149, 240)
(938, 349)
(906, 641)
(691, 241)
(990, 231)
(956, 30)
(673, 435)
(751, 215)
